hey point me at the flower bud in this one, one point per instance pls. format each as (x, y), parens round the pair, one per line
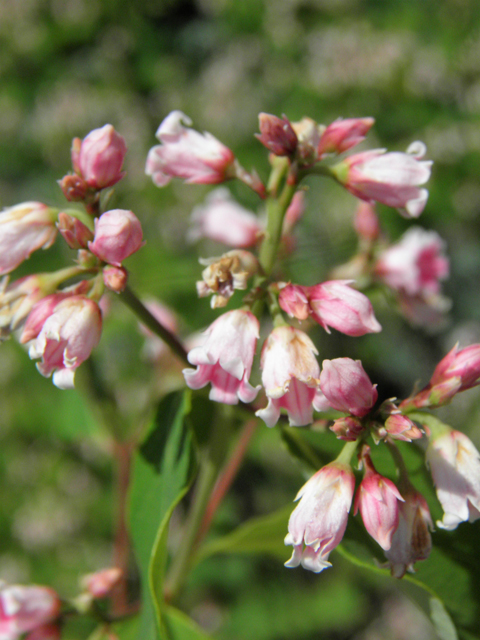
(348, 428)
(115, 278)
(101, 583)
(400, 427)
(74, 187)
(75, 233)
(342, 135)
(277, 135)
(463, 364)
(293, 300)
(100, 157)
(118, 234)
(347, 387)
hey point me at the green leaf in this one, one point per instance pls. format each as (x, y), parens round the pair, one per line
(163, 472)
(264, 534)
(181, 627)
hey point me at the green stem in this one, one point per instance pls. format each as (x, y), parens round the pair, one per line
(140, 310)
(347, 452)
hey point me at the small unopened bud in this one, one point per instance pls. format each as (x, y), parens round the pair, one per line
(277, 134)
(100, 157)
(347, 428)
(342, 135)
(400, 427)
(101, 583)
(293, 300)
(309, 134)
(74, 188)
(118, 234)
(75, 233)
(115, 278)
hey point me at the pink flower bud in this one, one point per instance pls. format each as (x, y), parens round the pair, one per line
(70, 329)
(400, 427)
(347, 387)
(390, 178)
(319, 521)
(348, 428)
(336, 304)
(75, 233)
(100, 157)
(115, 278)
(24, 608)
(463, 364)
(366, 222)
(185, 153)
(101, 583)
(226, 357)
(377, 499)
(455, 466)
(74, 187)
(24, 229)
(412, 540)
(224, 220)
(118, 234)
(277, 134)
(294, 301)
(290, 377)
(308, 133)
(342, 135)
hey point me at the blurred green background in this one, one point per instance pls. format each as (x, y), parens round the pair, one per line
(69, 66)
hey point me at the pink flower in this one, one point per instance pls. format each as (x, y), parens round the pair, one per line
(290, 377)
(45, 632)
(25, 228)
(277, 134)
(455, 466)
(17, 300)
(225, 359)
(414, 265)
(347, 387)
(463, 364)
(63, 330)
(377, 499)
(224, 220)
(335, 304)
(74, 232)
(391, 178)
(342, 135)
(118, 234)
(412, 540)
(24, 608)
(320, 519)
(98, 159)
(185, 153)
(293, 300)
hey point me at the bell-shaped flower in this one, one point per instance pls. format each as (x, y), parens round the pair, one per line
(412, 540)
(290, 377)
(455, 466)
(318, 523)
(185, 153)
(25, 228)
(377, 498)
(225, 358)
(347, 387)
(342, 135)
(98, 158)
(225, 274)
(63, 330)
(118, 234)
(390, 178)
(222, 219)
(25, 608)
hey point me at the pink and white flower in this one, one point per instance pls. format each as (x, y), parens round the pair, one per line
(412, 540)
(391, 178)
(25, 228)
(225, 359)
(63, 330)
(98, 158)
(118, 234)
(455, 466)
(222, 219)
(185, 153)
(25, 608)
(342, 135)
(377, 498)
(319, 521)
(17, 300)
(347, 387)
(290, 377)
(459, 363)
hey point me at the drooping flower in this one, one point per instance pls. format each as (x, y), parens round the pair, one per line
(459, 363)
(98, 158)
(118, 234)
(412, 540)
(391, 178)
(185, 153)
(347, 387)
(377, 499)
(225, 359)
(25, 608)
(224, 220)
(455, 466)
(342, 135)
(63, 330)
(319, 521)
(290, 377)
(25, 228)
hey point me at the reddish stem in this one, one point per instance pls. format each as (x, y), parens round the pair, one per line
(226, 478)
